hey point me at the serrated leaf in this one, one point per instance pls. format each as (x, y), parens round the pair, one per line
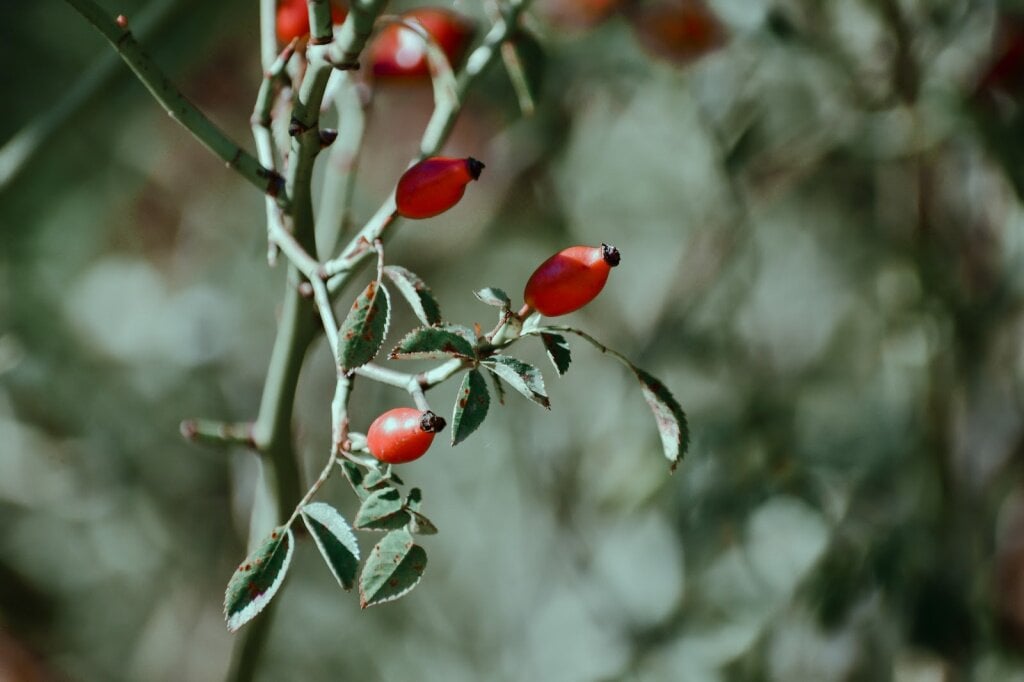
(521, 376)
(395, 566)
(414, 500)
(431, 343)
(494, 296)
(355, 477)
(417, 293)
(258, 578)
(499, 388)
(471, 403)
(335, 540)
(382, 510)
(672, 426)
(421, 525)
(558, 351)
(365, 326)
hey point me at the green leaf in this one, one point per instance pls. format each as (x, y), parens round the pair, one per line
(499, 388)
(334, 539)
(419, 524)
(417, 293)
(257, 579)
(365, 327)
(672, 426)
(558, 351)
(394, 567)
(494, 296)
(471, 403)
(382, 510)
(414, 500)
(355, 477)
(431, 343)
(521, 376)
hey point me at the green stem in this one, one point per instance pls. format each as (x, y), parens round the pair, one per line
(176, 104)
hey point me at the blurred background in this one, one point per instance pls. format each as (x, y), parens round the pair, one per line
(819, 210)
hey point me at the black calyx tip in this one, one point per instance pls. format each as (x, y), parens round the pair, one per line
(610, 254)
(474, 167)
(327, 137)
(431, 423)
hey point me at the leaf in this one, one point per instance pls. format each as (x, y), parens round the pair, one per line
(494, 296)
(365, 327)
(499, 389)
(395, 566)
(382, 510)
(417, 293)
(558, 351)
(471, 403)
(257, 579)
(521, 376)
(334, 539)
(419, 524)
(672, 426)
(430, 343)
(355, 478)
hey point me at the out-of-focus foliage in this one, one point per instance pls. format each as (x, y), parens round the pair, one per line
(822, 238)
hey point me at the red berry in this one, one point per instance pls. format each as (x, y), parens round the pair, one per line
(434, 185)
(397, 51)
(402, 434)
(570, 279)
(293, 19)
(679, 31)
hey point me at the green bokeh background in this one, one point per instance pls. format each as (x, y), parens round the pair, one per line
(822, 238)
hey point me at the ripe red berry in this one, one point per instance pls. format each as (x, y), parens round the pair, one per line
(680, 31)
(293, 19)
(570, 279)
(397, 51)
(402, 434)
(434, 185)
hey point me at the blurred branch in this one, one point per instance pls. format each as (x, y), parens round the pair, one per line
(176, 104)
(19, 150)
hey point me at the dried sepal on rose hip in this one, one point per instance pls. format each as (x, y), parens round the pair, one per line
(434, 185)
(570, 279)
(400, 52)
(293, 19)
(402, 434)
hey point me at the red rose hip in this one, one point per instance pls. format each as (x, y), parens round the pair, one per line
(434, 185)
(398, 51)
(293, 19)
(570, 279)
(402, 434)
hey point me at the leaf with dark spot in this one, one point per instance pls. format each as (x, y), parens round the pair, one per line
(471, 403)
(365, 327)
(432, 343)
(521, 376)
(258, 578)
(395, 566)
(382, 510)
